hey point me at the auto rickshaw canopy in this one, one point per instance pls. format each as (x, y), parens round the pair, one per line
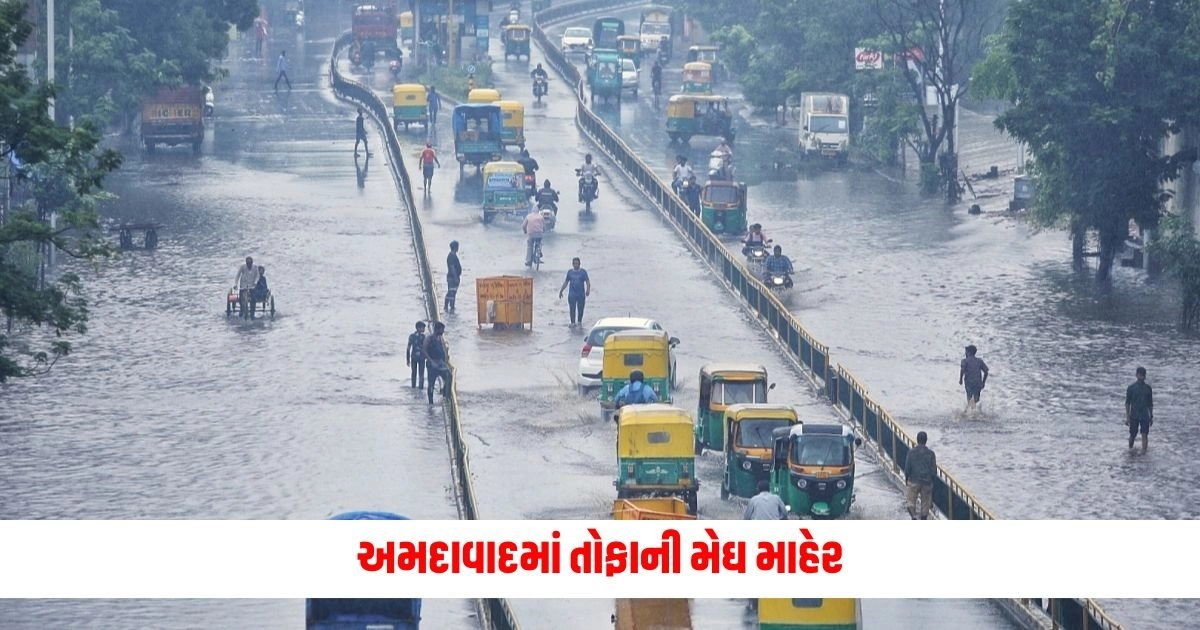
(629, 43)
(484, 95)
(513, 113)
(842, 614)
(722, 194)
(408, 94)
(703, 53)
(731, 383)
(740, 413)
(654, 430)
(482, 120)
(516, 32)
(819, 446)
(697, 71)
(629, 350)
(684, 105)
(405, 19)
(501, 168)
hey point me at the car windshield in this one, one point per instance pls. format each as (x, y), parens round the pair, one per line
(820, 450)
(827, 124)
(599, 334)
(734, 392)
(577, 32)
(756, 432)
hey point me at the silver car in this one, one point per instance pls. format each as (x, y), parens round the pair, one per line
(576, 40)
(630, 76)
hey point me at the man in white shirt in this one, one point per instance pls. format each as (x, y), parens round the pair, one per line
(765, 506)
(534, 227)
(682, 172)
(246, 280)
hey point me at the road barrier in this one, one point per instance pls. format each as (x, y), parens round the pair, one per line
(494, 614)
(844, 391)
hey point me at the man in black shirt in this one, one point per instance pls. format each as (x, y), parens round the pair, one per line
(435, 357)
(360, 133)
(453, 275)
(414, 355)
(1139, 409)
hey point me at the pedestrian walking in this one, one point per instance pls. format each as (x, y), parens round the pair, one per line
(436, 360)
(281, 66)
(765, 506)
(453, 275)
(260, 35)
(1139, 409)
(973, 375)
(920, 469)
(414, 356)
(428, 160)
(580, 286)
(360, 133)
(435, 104)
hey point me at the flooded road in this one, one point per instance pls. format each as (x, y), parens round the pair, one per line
(538, 448)
(167, 410)
(897, 283)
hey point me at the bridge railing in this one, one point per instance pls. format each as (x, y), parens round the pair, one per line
(844, 391)
(495, 614)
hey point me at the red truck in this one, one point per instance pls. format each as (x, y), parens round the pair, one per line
(374, 27)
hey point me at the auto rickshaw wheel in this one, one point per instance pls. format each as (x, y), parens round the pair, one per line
(684, 137)
(692, 503)
(272, 307)
(228, 308)
(488, 217)
(724, 492)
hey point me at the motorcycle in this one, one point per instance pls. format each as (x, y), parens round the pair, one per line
(688, 191)
(757, 254)
(549, 214)
(209, 107)
(530, 185)
(664, 55)
(539, 88)
(394, 68)
(778, 281)
(299, 20)
(588, 190)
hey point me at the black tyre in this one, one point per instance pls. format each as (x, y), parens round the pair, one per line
(692, 503)
(724, 492)
(272, 307)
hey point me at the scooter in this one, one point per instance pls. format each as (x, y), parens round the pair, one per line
(589, 189)
(757, 254)
(530, 185)
(549, 214)
(539, 88)
(394, 67)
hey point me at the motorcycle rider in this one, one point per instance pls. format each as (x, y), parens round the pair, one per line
(534, 226)
(548, 197)
(589, 168)
(681, 173)
(692, 194)
(778, 264)
(538, 73)
(656, 77)
(529, 163)
(754, 238)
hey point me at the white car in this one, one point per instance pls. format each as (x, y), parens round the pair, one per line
(576, 39)
(629, 76)
(591, 358)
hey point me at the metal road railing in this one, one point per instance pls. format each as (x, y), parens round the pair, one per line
(495, 614)
(848, 396)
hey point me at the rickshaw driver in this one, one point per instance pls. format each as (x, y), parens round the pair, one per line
(534, 226)
(539, 73)
(754, 238)
(247, 279)
(547, 196)
(778, 264)
(635, 392)
(589, 168)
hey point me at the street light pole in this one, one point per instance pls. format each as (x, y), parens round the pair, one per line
(452, 44)
(50, 49)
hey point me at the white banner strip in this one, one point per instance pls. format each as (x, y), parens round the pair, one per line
(296, 559)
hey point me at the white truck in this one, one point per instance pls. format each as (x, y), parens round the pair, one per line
(656, 24)
(825, 126)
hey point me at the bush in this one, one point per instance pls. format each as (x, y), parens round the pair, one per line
(452, 82)
(1178, 249)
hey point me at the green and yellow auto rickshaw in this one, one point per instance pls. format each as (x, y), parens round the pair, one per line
(516, 41)
(698, 115)
(627, 350)
(707, 54)
(809, 614)
(476, 134)
(406, 26)
(512, 132)
(604, 74)
(721, 385)
(697, 78)
(630, 47)
(749, 439)
(812, 469)
(504, 190)
(484, 95)
(410, 105)
(723, 207)
(654, 454)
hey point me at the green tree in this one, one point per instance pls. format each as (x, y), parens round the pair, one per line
(1177, 247)
(64, 168)
(1094, 99)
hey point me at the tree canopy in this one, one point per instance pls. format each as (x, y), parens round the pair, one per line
(63, 169)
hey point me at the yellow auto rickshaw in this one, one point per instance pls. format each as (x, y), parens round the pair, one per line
(699, 115)
(647, 351)
(721, 385)
(504, 190)
(630, 47)
(749, 440)
(410, 104)
(484, 95)
(516, 41)
(512, 132)
(654, 454)
(697, 78)
(809, 614)
(406, 26)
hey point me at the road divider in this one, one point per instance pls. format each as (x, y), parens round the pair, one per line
(848, 396)
(494, 613)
